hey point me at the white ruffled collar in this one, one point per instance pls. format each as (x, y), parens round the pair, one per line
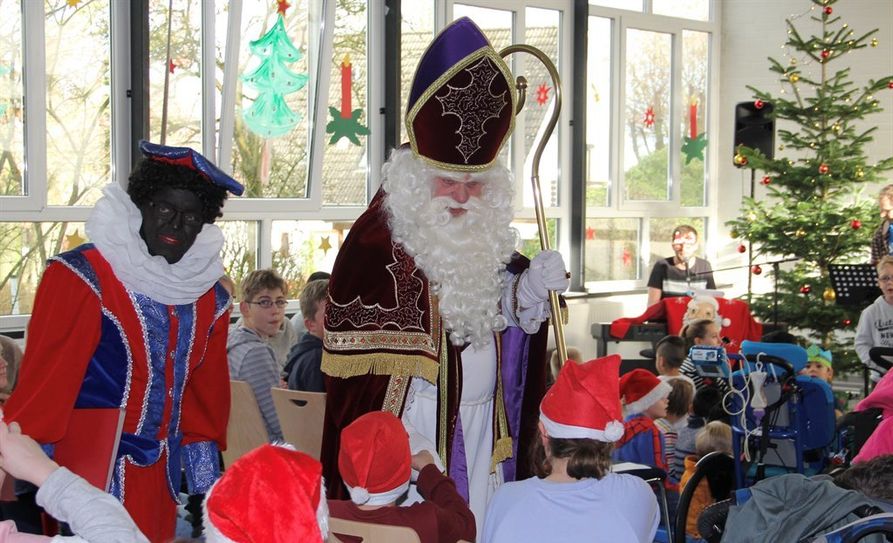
(114, 227)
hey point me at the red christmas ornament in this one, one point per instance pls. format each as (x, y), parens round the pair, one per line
(856, 224)
(805, 289)
(765, 180)
(742, 249)
(828, 10)
(890, 85)
(758, 104)
(756, 270)
(825, 53)
(823, 168)
(847, 322)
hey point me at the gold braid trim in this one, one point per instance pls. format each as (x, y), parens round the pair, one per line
(502, 441)
(352, 365)
(502, 451)
(442, 407)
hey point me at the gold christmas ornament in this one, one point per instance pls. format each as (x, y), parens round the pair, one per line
(859, 173)
(733, 233)
(874, 42)
(829, 295)
(799, 233)
(794, 78)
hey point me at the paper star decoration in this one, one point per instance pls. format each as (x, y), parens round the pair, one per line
(282, 5)
(627, 257)
(590, 233)
(649, 117)
(74, 240)
(542, 94)
(171, 66)
(694, 148)
(325, 245)
(73, 3)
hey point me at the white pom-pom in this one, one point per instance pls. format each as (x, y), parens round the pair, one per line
(726, 323)
(359, 495)
(614, 430)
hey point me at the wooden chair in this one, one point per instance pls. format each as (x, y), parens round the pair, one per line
(301, 417)
(246, 430)
(370, 533)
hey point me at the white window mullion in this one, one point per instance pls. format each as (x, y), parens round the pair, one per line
(320, 61)
(676, 112)
(34, 84)
(121, 102)
(228, 100)
(208, 68)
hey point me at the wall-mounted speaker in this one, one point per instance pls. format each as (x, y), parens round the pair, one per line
(755, 127)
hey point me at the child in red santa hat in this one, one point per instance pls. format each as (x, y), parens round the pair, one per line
(576, 498)
(376, 465)
(273, 493)
(644, 400)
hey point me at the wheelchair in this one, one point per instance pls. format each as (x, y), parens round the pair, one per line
(796, 430)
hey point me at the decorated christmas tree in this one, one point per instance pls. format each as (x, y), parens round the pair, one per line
(269, 116)
(817, 210)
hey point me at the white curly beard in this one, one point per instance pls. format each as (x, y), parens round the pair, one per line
(463, 257)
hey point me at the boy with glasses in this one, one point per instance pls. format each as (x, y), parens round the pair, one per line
(250, 358)
(875, 327)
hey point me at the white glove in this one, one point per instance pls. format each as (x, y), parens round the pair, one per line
(546, 272)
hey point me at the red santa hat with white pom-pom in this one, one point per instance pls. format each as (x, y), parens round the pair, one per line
(273, 493)
(584, 402)
(374, 459)
(641, 389)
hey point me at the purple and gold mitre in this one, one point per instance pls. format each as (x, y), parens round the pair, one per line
(461, 107)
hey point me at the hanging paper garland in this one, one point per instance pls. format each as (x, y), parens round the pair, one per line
(542, 94)
(346, 123)
(627, 257)
(590, 233)
(269, 116)
(694, 144)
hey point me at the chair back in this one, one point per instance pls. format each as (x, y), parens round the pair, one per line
(370, 533)
(246, 430)
(301, 416)
(714, 463)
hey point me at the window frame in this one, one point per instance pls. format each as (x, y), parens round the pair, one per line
(563, 129)
(644, 210)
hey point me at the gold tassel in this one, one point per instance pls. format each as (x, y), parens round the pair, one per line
(502, 451)
(352, 365)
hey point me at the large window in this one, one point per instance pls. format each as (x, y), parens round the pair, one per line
(649, 134)
(280, 99)
(545, 25)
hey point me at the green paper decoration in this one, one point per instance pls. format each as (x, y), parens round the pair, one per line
(345, 127)
(269, 116)
(694, 148)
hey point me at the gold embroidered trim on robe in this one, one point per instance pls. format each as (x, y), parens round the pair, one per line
(381, 363)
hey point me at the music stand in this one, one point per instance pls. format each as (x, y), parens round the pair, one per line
(854, 284)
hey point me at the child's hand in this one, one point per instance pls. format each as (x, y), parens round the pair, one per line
(421, 459)
(22, 457)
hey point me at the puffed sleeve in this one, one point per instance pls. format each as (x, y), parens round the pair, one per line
(63, 333)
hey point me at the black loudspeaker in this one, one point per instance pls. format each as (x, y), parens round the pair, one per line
(755, 127)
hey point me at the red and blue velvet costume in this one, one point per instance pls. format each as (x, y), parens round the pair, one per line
(94, 343)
